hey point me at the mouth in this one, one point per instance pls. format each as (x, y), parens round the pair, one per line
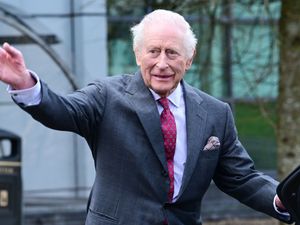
(162, 76)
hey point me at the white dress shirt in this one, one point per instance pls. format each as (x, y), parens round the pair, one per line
(177, 107)
(30, 96)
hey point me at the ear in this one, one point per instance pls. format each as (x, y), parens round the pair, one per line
(137, 57)
(190, 61)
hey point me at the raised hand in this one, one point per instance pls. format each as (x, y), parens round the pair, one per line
(13, 70)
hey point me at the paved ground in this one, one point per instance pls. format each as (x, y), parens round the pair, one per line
(217, 209)
(243, 222)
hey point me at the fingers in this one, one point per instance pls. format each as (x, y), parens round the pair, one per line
(279, 204)
(5, 44)
(3, 54)
(11, 50)
(2, 51)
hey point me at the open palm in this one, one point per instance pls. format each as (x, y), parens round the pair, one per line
(12, 68)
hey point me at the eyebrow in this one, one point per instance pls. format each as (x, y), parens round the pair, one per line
(167, 49)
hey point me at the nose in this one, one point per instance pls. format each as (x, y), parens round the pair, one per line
(162, 62)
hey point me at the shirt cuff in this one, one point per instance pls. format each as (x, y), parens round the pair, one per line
(285, 215)
(30, 96)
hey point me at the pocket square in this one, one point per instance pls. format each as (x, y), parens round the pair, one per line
(212, 144)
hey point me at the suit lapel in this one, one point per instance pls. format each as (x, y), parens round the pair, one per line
(145, 106)
(195, 122)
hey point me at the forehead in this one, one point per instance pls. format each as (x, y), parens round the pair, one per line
(163, 34)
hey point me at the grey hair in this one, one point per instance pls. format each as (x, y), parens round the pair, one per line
(172, 18)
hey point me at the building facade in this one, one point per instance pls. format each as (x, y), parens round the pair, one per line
(73, 42)
(54, 163)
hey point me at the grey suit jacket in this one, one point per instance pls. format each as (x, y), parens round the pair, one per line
(119, 119)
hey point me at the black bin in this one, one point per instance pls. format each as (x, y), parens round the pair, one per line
(10, 179)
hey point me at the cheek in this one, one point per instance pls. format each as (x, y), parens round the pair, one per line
(179, 67)
(148, 65)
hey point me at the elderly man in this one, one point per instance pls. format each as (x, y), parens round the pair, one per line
(157, 142)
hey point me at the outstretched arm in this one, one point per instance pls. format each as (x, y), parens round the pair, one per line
(13, 70)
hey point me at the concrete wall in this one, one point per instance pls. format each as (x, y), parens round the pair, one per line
(54, 161)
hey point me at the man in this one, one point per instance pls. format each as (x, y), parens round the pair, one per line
(157, 142)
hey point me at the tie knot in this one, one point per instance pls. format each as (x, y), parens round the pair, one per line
(164, 102)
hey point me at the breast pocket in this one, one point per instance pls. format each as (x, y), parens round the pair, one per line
(210, 154)
(95, 218)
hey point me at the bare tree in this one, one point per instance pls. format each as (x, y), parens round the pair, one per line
(288, 126)
(289, 88)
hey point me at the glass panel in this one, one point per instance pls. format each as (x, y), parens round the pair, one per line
(255, 62)
(5, 149)
(253, 9)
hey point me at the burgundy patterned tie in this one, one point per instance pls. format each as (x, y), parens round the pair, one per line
(168, 127)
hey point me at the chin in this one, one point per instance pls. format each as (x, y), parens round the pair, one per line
(162, 92)
(163, 89)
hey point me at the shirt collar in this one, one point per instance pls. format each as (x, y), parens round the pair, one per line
(174, 97)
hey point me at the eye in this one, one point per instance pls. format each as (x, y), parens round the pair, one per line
(154, 52)
(171, 53)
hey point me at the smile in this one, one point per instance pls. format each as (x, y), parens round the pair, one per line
(163, 77)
